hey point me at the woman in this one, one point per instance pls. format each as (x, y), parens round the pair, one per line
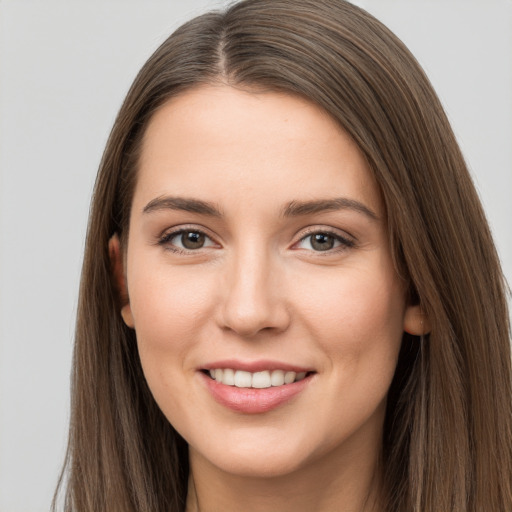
(290, 295)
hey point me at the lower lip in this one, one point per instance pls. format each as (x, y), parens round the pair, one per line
(252, 400)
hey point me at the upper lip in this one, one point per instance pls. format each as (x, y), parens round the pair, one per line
(256, 366)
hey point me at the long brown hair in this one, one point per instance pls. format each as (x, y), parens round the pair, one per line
(447, 438)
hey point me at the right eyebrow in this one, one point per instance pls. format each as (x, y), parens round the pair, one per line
(184, 204)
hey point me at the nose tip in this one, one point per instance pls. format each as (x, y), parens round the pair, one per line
(250, 320)
(253, 303)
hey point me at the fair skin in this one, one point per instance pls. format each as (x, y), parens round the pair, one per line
(258, 243)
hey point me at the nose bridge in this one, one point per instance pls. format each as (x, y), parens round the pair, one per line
(252, 300)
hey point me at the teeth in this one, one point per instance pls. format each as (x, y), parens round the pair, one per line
(261, 380)
(277, 378)
(242, 379)
(228, 377)
(289, 377)
(258, 380)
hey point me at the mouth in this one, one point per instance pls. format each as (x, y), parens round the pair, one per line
(259, 387)
(256, 380)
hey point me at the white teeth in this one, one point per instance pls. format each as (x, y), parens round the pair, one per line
(258, 380)
(277, 378)
(261, 380)
(243, 379)
(228, 377)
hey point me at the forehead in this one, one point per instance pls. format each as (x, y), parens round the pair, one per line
(233, 143)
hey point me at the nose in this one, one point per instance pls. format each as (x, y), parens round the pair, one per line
(254, 296)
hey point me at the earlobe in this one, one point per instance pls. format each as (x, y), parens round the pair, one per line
(118, 276)
(415, 321)
(126, 313)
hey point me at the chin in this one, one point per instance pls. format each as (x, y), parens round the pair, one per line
(268, 466)
(255, 458)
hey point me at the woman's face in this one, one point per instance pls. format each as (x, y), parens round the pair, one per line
(258, 253)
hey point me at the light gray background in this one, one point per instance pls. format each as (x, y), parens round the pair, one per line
(64, 69)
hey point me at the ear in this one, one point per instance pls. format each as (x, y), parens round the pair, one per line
(415, 321)
(118, 275)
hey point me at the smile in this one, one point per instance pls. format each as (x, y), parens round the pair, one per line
(257, 380)
(255, 387)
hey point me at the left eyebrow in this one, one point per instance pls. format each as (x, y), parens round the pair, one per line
(182, 203)
(298, 208)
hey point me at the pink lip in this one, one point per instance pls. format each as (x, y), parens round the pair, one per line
(251, 400)
(255, 366)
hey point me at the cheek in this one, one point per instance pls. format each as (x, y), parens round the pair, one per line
(161, 294)
(169, 308)
(357, 316)
(169, 311)
(357, 324)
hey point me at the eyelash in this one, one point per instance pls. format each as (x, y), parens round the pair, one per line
(165, 240)
(345, 243)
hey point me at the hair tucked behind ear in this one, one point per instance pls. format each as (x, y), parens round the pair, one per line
(448, 438)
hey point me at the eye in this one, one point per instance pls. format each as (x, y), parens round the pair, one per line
(186, 240)
(322, 241)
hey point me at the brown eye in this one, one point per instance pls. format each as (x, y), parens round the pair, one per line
(322, 241)
(184, 240)
(192, 239)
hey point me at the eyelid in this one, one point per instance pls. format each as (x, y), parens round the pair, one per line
(322, 228)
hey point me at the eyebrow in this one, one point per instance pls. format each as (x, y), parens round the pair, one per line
(184, 204)
(298, 208)
(292, 209)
